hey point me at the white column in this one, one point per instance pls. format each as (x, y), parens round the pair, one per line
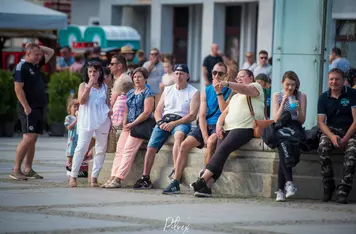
(105, 13)
(207, 34)
(156, 24)
(219, 25)
(265, 26)
(166, 39)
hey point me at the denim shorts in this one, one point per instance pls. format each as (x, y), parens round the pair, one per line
(196, 133)
(159, 136)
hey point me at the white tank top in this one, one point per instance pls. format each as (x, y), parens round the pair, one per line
(178, 101)
(94, 113)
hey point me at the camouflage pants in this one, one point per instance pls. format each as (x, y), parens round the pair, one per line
(325, 147)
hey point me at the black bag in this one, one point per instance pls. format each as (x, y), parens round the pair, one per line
(269, 136)
(143, 130)
(170, 117)
(291, 152)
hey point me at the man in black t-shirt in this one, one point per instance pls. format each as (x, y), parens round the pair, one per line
(209, 63)
(30, 91)
(337, 121)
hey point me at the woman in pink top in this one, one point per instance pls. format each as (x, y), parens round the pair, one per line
(77, 66)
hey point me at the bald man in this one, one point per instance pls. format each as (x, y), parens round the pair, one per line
(249, 63)
(209, 62)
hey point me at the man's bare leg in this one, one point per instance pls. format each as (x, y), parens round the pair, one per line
(178, 139)
(28, 161)
(187, 145)
(149, 160)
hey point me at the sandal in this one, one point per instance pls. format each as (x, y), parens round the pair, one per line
(113, 184)
(72, 183)
(107, 183)
(17, 175)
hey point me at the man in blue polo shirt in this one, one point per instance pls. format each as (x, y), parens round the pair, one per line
(337, 121)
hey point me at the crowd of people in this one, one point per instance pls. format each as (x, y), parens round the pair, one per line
(154, 101)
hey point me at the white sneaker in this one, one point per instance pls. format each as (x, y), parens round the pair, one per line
(280, 196)
(291, 189)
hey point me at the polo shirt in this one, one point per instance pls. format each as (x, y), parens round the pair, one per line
(338, 111)
(34, 86)
(61, 62)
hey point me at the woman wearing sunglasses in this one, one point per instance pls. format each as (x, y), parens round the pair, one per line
(93, 118)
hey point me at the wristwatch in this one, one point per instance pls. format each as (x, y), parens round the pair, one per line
(219, 94)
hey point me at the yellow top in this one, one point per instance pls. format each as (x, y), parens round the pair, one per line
(239, 115)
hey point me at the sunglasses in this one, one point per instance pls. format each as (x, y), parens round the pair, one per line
(218, 73)
(263, 58)
(112, 64)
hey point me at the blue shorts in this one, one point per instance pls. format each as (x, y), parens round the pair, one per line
(159, 136)
(196, 133)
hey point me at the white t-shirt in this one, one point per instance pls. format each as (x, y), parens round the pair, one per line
(178, 101)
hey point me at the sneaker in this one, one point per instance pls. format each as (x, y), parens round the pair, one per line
(341, 197)
(17, 175)
(203, 192)
(173, 188)
(83, 174)
(170, 176)
(328, 192)
(280, 196)
(33, 174)
(143, 183)
(291, 189)
(198, 184)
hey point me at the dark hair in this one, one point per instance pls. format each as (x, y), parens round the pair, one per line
(292, 76)
(337, 70)
(263, 52)
(107, 71)
(142, 70)
(350, 76)
(337, 51)
(68, 48)
(78, 57)
(121, 59)
(97, 66)
(249, 73)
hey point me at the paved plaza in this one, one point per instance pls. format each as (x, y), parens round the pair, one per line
(49, 206)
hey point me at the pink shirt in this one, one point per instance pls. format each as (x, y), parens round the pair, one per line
(118, 111)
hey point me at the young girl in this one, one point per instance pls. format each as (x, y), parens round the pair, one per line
(70, 123)
(297, 108)
(120, 103)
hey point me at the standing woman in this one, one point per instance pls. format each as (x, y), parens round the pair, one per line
(281, 102)
(93, 118)
(139, 107)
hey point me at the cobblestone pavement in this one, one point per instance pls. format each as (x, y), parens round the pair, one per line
(49, 206)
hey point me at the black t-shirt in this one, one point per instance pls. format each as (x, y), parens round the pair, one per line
(209, 63)
(338, 111)
(34, 86)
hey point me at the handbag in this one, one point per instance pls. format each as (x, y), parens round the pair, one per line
(143, 130)
(258, 125)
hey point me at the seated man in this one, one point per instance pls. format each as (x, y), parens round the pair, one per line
(212, 103)
(177, 108)
(337, 121)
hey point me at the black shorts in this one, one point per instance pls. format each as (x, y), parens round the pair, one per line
(34, 122)
(196, 133)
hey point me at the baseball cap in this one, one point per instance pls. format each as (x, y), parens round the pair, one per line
(181, 67)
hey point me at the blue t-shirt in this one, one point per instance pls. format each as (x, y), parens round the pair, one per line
(340, 63)
(212, 103)
(135, 103)
(61, 62)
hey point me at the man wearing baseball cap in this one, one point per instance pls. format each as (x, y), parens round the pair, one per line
(177, 108)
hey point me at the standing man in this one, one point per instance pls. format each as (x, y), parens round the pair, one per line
(249, 62)
(337, 61)
(129, 54)
(177, 108)
(209, 63)
(118, 69)
(337, 121)
(155, 69)
(263, 66)
(64, 62)
(30, 91)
